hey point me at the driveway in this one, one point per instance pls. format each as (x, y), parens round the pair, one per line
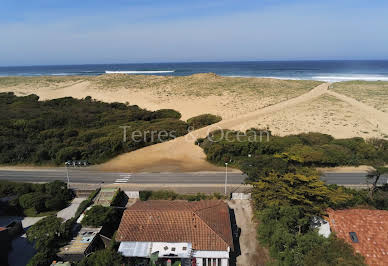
(252, 253)
(70, 211)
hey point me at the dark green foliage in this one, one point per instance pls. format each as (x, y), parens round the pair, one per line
(334, 251)
(34, 200)
(94, 194)
(171, 195)
(86, 203)
(120, 199)
(203, 120)
(45, 233)
(166, 113)
(54, 131)
(102, 257)
(36, 197)
(258, 155)
(263, 165)
(41, 258)
(82, 207)
(285, 230)
(362, 198)
(100, 216)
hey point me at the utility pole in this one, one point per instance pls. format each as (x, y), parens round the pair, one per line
(67, 175)
(226, 176)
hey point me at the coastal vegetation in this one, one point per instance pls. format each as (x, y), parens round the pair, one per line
(203, 121)
(372, 93)
(34, 199)
(258, 152)
(48, 235)
(171, 195)
(287, 192)
(54, 131)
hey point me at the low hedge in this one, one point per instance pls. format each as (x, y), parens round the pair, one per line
(86, 203)
(171, 195)
(203, 120)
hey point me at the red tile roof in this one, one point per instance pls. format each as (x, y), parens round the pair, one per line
(371, 227)
(205, 224)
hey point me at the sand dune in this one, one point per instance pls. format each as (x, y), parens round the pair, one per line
(286, 107)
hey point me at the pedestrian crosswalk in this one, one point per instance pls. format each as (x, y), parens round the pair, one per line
(124, 178)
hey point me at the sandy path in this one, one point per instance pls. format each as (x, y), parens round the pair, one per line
(181, 154)
(252, 253)
(378, 118)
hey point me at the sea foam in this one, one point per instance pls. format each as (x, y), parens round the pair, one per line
(139, 71)
(351, 78)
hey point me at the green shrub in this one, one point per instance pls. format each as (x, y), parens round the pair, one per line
(102, 257)
(166, 113)
(43, 132)
(99, 216)
(35, 200)
(171, 195)
(120, 199)
(54, 204)
(203, 120)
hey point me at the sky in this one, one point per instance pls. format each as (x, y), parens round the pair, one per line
(47, 32)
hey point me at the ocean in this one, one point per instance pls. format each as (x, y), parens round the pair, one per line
(331, 71)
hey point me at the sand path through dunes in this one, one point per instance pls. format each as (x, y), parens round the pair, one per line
(376, 117)
(181, 154)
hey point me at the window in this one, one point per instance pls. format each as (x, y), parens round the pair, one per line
(204, 262)
(353, 237)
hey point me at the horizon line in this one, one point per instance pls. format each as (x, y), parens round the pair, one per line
(186, 62)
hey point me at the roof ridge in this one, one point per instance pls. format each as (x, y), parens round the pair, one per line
(211, 228)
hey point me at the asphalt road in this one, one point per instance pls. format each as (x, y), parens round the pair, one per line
(84, 175)
(97, 177)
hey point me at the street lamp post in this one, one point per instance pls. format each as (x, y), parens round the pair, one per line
(67, 175)
(226, 176)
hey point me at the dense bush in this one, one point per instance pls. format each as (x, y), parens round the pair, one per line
(102, 257)
(35, 198)
(259, 155)
(203, 120)
(286, 231)
(48, 235)
(120, 199)
(309, 193)
(166, 113)
(100, 216)
(171, 195)
(51, 132)
(45, 234)
(86, 203)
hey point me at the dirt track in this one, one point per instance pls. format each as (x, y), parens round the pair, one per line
(181, 154)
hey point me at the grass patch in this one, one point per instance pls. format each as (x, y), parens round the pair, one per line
(31, 212)
(372, 93)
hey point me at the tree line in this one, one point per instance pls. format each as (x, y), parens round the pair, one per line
(288, 194)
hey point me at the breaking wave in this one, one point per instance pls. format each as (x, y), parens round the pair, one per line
(139, 72)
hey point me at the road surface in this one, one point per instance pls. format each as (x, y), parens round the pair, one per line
(84, 175)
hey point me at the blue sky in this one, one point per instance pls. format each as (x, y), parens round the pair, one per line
(129, 31)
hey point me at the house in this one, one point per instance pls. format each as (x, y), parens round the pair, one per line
(193, 233)
(365, 230)
(86, 242)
